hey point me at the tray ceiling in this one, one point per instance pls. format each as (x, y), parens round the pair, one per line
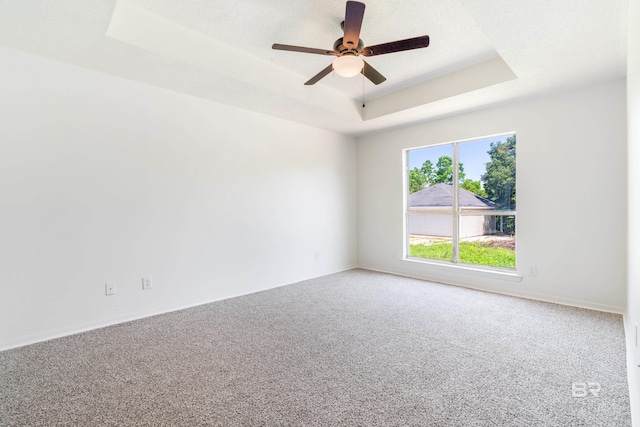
(481, 53)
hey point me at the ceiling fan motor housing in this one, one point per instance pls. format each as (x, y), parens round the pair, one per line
(341, 49)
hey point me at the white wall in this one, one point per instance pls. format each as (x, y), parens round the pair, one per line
(571, 183)
(633, 111)
(103, 179)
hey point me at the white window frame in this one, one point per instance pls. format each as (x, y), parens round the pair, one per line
(455, 210)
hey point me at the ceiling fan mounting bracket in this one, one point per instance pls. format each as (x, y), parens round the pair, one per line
(341, 49)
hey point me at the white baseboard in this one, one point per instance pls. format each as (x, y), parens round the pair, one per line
(103, 323)
(79, 328)
(515, 293)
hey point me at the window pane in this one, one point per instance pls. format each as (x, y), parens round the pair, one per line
(430, 236)
(430, 203)
(488, 173)
(429, 167)
(488, 240)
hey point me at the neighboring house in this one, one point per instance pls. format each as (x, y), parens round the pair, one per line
(427, 206)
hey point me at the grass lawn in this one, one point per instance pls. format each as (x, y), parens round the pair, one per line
(470, 253)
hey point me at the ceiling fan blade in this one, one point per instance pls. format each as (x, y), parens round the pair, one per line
(353, 23)
(372, 74)
(315, 79)
(302, 49)
(397, 46)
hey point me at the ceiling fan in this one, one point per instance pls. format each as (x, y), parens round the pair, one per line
(350, 48)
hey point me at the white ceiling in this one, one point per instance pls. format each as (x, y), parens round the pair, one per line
(482, 52)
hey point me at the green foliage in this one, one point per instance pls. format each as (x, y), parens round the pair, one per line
(470, 253)
(429, 175)
(428, 172)
(417, 180)
(474, 187)
(499, 180)
(444, 171)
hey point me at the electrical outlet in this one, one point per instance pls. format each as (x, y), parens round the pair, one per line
(147, 283)
(533, 271)
(317, 256)
(110, 288)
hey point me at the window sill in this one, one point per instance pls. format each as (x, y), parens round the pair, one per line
(511, 276)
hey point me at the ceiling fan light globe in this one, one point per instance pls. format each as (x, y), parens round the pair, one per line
(348, 65)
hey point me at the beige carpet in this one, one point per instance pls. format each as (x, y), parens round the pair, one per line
(356, 348)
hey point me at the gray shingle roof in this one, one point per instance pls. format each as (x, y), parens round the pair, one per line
(441, 195)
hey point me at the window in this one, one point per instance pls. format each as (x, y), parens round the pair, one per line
(461, 202)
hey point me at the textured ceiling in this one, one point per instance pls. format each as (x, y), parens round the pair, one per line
(482, 52)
